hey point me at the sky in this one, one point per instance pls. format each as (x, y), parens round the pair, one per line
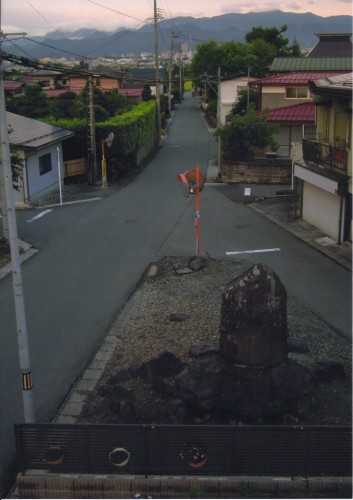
(37, 17)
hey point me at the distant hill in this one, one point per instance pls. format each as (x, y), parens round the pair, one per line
(95, 43)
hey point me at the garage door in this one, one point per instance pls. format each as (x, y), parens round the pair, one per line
(321, 209)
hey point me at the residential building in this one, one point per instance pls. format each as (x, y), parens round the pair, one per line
(333, 52)
(324, 173)
(290, 105)
(230, 88)
(40, 147)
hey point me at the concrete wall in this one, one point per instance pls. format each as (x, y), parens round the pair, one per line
(258, 171)
(73, 486)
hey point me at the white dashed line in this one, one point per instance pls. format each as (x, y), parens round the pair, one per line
(263, 250)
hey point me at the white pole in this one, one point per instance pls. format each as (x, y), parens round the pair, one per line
(26, 375)
(59, 174)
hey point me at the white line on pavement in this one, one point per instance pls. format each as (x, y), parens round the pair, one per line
(263, 250)
(39, 215)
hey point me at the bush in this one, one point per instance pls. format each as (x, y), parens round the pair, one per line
(242, 134)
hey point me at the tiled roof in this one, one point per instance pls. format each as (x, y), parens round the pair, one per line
(57, 92)
(13, 85)
(332, 45)
(285, 64)
(298, 113)
(33, 134)
(130, 92)
(339, 84)
(297, 78)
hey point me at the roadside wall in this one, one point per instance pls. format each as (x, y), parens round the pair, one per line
(258, 171)
(57, 486)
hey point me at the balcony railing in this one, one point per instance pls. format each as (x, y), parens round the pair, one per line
(326, 156)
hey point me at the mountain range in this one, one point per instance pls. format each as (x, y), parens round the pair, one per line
(192, 31)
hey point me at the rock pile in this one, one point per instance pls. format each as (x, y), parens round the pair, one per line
(248, 376)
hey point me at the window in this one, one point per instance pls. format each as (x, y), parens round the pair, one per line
(45, 164)
(296, 93)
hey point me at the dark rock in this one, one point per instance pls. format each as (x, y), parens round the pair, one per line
(174, 411)
(297, 347)
(258, 392)
(165, 386)
(197, 263)
(118, 394)
(164, 365)
(199, 351)
(127, 411)
(177, 317)
(201, 382)
(328, 370)
(253, 329)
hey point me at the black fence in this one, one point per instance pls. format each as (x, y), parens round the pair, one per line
(186, 450)
(325, 155)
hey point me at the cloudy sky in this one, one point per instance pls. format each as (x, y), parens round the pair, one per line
(38, 17)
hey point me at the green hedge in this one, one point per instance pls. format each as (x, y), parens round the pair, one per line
(132, 130)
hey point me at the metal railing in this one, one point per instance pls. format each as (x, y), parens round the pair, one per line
(186, 450)
(325, 155)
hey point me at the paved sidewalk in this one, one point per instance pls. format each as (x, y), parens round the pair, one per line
(280, 210)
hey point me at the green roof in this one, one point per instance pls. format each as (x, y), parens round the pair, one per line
(311, 64)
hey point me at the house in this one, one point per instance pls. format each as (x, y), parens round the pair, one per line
(142, 76)
(54, 80)
(131, 95)
(230, 87)
(324, 173)
(290, 105)
(40, 146)
(333, 52)
(13, 87)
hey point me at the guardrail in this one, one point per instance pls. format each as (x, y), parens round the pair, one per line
(186, 450)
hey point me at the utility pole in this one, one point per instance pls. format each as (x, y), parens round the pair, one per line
(156, 63)
(9, 202)
(92, 152)
(219, 110)
(170, 71)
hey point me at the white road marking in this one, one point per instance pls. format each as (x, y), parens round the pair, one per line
(247, 191)
(39, 215)
(263, 250)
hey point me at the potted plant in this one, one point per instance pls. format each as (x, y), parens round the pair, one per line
(194, 456)
(54, 454)
(119, 457)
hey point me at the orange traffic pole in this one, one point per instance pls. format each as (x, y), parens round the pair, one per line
(104, 168)
(197, 213)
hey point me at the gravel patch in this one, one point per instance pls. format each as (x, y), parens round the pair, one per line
(147, 327)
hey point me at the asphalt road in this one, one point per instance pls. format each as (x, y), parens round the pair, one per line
(93, 255)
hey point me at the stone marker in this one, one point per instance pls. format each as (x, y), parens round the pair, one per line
(253, 329)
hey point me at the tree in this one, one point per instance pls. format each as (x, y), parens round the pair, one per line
(272, 36)
(206, 59)
(33, 103)
(247, 99)
(146, 93)
(242, 134)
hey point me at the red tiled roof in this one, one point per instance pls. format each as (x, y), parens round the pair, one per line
(130, 92)
(298, 113)
(13, 85)
(57, 92)
(299, 78)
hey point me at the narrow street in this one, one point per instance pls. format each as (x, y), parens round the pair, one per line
(92, 256)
